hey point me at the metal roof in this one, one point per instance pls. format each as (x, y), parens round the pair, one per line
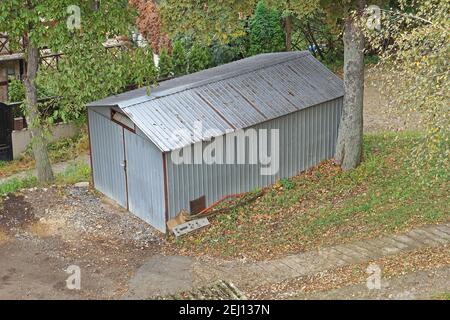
(229, 97)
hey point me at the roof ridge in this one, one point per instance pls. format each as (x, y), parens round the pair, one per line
(168, 92)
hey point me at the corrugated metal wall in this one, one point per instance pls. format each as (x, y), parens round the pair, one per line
(307, 137)
(145, 180)
(145, 176)
(107, 155)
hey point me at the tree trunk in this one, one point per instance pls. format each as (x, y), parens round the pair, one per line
(39, 143)
(349, 144)
(288, 30)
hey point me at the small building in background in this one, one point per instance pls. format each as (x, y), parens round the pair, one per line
(152, 150)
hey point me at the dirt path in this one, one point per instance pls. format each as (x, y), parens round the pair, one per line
(43, 232)
(424, 248)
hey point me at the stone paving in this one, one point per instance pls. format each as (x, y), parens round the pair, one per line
(251, 274)
(169, 275)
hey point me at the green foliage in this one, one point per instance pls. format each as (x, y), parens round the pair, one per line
(413, 70)
(16, 91)
(266, 31)
(199, 58)
(16, 184)
(76, 172)
(165, 65)
(287, 184)
(66, 149)
(107, 75)
(210, 21)
(223, 53)
(140, 59)
(179, 59)
(86, 71)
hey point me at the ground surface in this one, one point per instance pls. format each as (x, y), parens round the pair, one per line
(44, 231)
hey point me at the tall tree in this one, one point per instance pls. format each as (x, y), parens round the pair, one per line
(209, 21)
(266, 32)
(350, 137)
(69, 26)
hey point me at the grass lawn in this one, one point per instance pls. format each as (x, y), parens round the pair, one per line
(325, 206)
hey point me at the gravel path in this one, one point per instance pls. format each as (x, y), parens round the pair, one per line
(44, 231)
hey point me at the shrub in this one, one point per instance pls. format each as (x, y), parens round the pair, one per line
(266, 31)
(165, 65)
(16, 91)
(179, 59)
(199, 58)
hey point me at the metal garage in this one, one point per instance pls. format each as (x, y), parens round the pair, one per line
(288, 102)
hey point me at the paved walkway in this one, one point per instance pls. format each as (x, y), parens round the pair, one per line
(149, 281)
(327, 258)
(411, 286)
(57, 168)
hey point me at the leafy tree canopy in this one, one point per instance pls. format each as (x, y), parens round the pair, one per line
(78, 29)
(414, 68)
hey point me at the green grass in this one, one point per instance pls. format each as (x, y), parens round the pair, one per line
(15, 184)
(77, 172)
(325, 206)
(442, 296)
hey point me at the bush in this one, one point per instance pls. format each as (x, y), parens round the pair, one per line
(179, 59)
(224, 53)
(199, 58)
(76, 172)
(16, 91)
(266, 31)
(165, 65)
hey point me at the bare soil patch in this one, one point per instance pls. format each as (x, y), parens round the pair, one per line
(43, 231)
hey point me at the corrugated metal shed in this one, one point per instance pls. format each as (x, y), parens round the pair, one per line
(230, 97)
